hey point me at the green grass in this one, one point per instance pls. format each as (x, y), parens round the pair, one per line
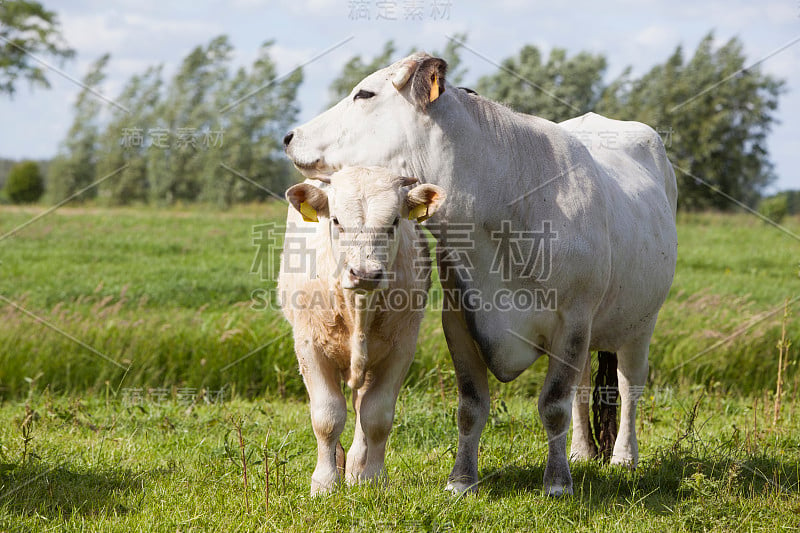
(168, 295)
(732, 271)
(103, 465)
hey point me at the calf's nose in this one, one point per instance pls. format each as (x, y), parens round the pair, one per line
(288, 138)
(366, 279)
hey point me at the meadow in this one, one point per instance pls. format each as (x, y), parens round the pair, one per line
(136, 343)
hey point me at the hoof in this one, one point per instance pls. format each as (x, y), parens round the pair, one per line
(580, 454)
(319, 490)
(461, 487)
(322, 488)
(558, 491)
(624, 462)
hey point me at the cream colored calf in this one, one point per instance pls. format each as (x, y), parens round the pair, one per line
(355, 304)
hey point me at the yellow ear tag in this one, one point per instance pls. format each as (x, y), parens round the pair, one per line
(418, 213)
(308, 212)
(434, 87)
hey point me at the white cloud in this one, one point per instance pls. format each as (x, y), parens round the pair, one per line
(656, 36)
(91, 32)
(783, 65)
(309, 8)
(288, 58)
(782, 12)
(133, 34)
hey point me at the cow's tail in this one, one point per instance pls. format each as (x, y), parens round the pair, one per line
(604, 404)
(341, 459)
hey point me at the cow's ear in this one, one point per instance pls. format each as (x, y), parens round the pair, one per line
(425, 77)
(310, 201)
(423, 201)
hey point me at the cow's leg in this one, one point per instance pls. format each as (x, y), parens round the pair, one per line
(328, 412)
(374, 404)
(583, 446)
(632, 375)
(565, 363)
(357, 454)
(473, 400)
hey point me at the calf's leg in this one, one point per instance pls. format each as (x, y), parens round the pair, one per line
(328, 412)
(374, 404)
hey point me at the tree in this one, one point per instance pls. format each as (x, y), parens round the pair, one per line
(175, 160)
(784, 203)
(215, 120)
(559, 89)
(357, 69)
(774, 208)
(455, 72)
(718, 115)
(27, 29)
(24, 183)
(73, 168)
(256, 110)
(792, 202)
(167, 143)
(124, 140)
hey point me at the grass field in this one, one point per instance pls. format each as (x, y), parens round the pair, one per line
(133, 341)
(97, 464)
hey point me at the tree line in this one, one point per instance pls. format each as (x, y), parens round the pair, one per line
(212, 133)
(207, 134)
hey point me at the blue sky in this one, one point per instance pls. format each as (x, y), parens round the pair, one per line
(640, 33)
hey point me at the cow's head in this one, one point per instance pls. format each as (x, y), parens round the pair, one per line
(366, 208)
(384, 121)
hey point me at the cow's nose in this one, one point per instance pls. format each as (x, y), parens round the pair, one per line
(288, 138)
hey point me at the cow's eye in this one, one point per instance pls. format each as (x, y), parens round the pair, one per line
(363, 94)
(335, 221)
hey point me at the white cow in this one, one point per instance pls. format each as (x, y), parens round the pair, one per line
(598, 223)
(355, 304)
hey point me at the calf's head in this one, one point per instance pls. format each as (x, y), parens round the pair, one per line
(366, 209)
(384, 121)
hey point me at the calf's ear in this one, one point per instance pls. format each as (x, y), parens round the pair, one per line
(423, 201)
(425, 76)
(310, 201)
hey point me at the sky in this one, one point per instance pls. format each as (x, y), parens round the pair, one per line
(636, 33)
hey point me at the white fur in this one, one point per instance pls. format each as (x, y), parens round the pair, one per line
(613, 262)
(351, 334)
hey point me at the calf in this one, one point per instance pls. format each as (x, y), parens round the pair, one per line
(355, 305)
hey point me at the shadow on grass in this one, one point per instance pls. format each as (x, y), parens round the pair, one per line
(659, 482)
(54, 491)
